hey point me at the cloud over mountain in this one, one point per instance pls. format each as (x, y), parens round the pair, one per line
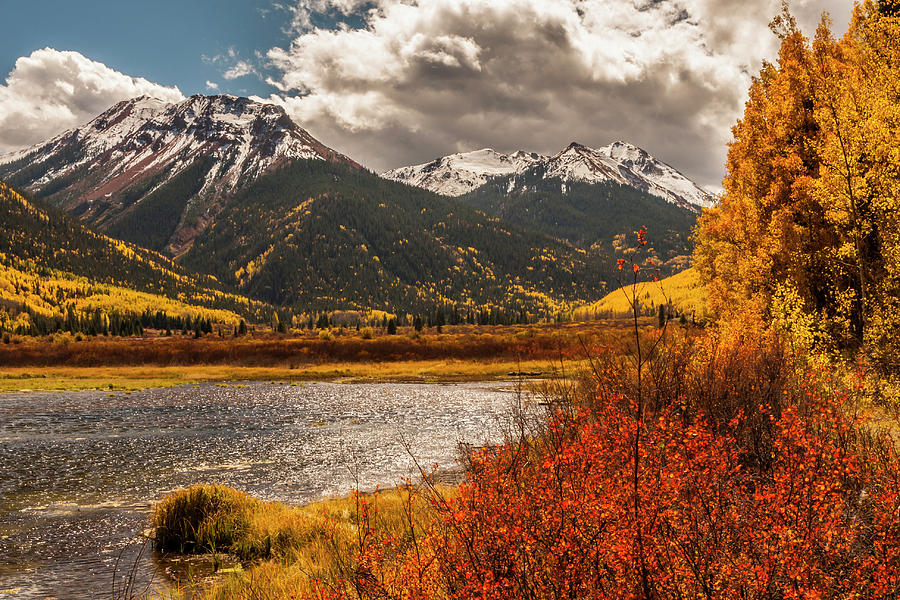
(396, 82)
(439, 76)
(51, 90)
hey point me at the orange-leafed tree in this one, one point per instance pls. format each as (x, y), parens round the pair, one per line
(807, 231)
(761, 233)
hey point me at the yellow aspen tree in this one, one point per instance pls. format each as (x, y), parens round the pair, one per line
(760, 236)
(841, 188)
(873, 48)
(809, 224)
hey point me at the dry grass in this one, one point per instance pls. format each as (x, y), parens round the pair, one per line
(135, 378)
(285, 548)
(456, 343)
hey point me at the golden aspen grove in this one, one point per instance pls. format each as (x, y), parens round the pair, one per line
(806, 233)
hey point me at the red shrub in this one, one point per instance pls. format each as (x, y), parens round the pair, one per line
(570, 515)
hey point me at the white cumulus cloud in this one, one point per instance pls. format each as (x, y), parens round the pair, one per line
(50, 91)
(423, 78)
(240, 69)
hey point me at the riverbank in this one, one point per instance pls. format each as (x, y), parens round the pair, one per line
(459, 353)
(244, 542)
(80, 468)
(130, 378)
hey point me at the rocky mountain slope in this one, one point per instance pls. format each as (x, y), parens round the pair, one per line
(618, 162)
(157, 174)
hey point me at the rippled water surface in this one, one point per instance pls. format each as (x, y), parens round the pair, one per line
(79, 470)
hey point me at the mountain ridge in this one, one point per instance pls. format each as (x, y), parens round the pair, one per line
(618, 162)
(137, 152)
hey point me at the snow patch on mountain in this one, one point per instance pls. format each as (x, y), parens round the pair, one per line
(619, 162)
(459, 174)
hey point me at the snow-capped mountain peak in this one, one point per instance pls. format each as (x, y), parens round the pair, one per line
(577, 162)
(103, 169)
(457, 174)
(619, 162)
(145, 136)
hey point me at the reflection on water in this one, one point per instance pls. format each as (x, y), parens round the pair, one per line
(79, 470)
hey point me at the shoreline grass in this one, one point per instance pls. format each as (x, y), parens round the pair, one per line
(286, 548)
(129, 378)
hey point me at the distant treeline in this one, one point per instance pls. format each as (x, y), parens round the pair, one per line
(98, 322)
(128, 324)
(439, 317)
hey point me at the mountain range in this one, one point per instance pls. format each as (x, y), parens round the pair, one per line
(233, 188)
(619, 162)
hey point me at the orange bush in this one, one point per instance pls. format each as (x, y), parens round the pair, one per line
(603, 504)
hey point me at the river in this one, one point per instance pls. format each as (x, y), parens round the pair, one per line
(79, 471)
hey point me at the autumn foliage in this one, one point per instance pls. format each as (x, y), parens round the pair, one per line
(540, 342)
(717, 465)
(599, 503)
(807, 232)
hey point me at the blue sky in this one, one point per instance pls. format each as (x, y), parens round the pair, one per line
(164, 41)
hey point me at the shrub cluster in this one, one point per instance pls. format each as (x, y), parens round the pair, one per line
(728, 472)
(739, 479)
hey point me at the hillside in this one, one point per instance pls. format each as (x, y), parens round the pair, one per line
(156, 174)
(586, 214)
(49, 261)
(681, 291)
(321, 235)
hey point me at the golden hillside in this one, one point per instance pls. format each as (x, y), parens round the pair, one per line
(682, 291)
